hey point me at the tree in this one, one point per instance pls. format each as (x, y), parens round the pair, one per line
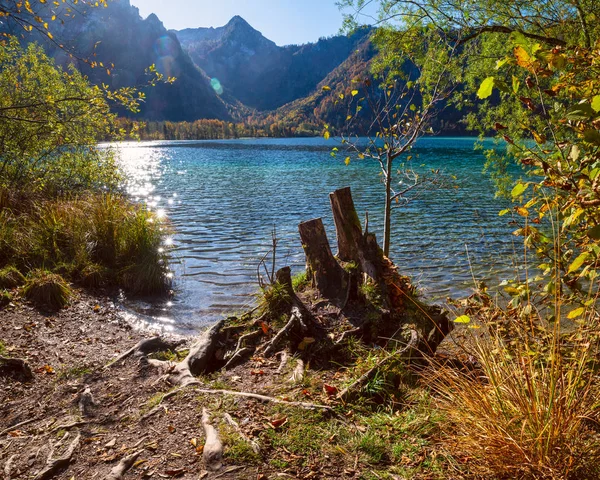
(400, 101)
(51, 122)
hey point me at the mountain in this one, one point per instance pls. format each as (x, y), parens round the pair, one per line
(118, 35)
(259, 73)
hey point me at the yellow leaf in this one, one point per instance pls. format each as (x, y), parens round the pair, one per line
(522, 211)
(347, 161)
(326, 135)
(523, 58)
(576, 313)
(578, 262)
(354, 93)
(463, 319)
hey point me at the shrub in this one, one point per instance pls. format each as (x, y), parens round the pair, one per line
(47, 290)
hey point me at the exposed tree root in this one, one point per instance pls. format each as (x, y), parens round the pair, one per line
(269, 348)
(145, 347)
(55, 465)
(123, 466)
(18, 425)
(15, 367)
(8, 467)
(241, 351)
(282, 362)
(264, 398)
(68, 426)
(200, 359)
(411, 346)
(213, 447)
(298, 373)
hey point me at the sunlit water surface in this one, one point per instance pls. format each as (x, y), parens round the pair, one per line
(224, 198)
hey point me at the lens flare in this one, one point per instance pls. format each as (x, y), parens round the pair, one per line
(216, 85)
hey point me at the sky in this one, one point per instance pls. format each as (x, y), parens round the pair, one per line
(283, 21)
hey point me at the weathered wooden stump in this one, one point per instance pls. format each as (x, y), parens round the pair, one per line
(321, 266)
(399, 309)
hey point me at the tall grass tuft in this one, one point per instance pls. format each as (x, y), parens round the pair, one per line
(92, 239)
(10, 277)
(529, 407)
(47, 290)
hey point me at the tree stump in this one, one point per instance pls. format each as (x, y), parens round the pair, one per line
(368, 269)
(328, 276)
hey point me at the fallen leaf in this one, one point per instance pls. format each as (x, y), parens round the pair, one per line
(194, 442)
(264, 327)
(16, 433)
(96, 308)
(176, 472)
(279, 422)
(171, 429)
(330, 389)
(305, 343)
(257, 372)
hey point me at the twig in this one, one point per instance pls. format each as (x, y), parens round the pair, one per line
(68, 426)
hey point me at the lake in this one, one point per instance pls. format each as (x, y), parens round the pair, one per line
(225, 197)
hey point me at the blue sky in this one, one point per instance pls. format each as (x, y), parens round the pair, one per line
(283, 21)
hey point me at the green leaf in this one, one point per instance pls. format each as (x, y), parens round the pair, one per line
(576, 313)
(596, 103)
(519, 189)
(578, 262)
(581, 111)
(486, 88)
(516, 83)
(500, 63)
(463, 319)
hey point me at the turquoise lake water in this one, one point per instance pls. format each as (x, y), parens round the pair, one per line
(224, 198)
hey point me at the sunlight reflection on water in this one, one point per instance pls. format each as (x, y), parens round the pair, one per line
(224, 197)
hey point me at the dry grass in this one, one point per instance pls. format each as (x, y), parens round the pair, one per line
(528, 408)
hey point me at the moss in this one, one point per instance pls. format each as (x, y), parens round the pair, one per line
(11, 277)
(300, 281)
(5, 298)
(47, 290)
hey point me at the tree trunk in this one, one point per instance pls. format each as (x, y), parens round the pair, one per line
(328, 276)
(387, 217)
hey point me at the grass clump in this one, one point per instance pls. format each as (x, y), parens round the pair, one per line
(10, 277)
(93, 239)
(529, 410)
(47, 290)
